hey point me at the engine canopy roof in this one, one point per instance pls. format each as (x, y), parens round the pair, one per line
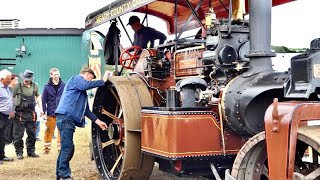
(164, 9)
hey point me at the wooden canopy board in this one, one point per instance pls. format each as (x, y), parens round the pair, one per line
(164, 9)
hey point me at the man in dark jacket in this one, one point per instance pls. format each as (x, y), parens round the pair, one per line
(51, 95)
(70, 112)
(143, 35)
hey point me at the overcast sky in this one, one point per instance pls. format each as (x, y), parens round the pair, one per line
(294, 24)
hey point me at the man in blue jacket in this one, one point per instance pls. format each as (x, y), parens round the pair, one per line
(51, 95)
(72, 108)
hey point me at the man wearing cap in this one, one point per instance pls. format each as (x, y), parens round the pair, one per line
(72, 108)
(143, 34)
(6, 110)
(27, 94)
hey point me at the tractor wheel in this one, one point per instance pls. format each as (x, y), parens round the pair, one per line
(117, 151)
(251, 162)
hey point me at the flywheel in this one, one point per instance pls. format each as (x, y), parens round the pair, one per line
(251, 162)
(117, 152)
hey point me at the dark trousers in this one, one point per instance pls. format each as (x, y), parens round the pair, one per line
(24, 121)
(9, 132)
(4, 119)
(66, 127)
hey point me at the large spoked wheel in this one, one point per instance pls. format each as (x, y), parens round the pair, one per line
(251, 162)
(129, 57)
(117, 152)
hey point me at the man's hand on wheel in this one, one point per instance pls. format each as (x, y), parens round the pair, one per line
(101, 124)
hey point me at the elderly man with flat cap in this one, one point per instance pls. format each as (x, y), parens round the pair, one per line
(143, 34)
(27, 94)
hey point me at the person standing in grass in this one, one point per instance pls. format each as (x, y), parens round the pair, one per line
(72, 108)
(6, 110)
(51, 95)
(9, 129)
(27, 94)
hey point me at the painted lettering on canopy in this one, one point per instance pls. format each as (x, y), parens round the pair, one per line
(116, 11)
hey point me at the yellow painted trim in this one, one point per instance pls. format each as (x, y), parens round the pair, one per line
(224, 91)
(180, 153)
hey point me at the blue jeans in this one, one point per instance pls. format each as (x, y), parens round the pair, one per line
(66, 127)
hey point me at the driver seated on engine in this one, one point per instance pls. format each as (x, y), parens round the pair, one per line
(144, 34)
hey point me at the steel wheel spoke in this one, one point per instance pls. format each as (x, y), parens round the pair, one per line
(117, 109)
(121, 148)
(115, 164)
(314, 174)
(108, 143)
(105, 112)
(315, 156)
(120, 113)
(115, 96)
(265, 171)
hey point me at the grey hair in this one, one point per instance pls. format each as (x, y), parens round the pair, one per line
(53, 70)
(5, 73)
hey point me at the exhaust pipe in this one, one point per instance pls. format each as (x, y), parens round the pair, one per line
(260, 37)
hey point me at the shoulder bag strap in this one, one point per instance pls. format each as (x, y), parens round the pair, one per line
(21, 92)
(34, 89)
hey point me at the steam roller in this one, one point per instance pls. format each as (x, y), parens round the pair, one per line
(117, 151)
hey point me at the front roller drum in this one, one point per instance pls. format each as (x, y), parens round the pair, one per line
(251, 162)
(117, 152)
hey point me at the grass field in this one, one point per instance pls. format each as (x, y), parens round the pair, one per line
(44, 167)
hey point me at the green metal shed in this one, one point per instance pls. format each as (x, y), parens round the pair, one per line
(39, 50)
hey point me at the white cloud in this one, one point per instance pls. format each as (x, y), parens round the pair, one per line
(55, 14)
(296, 24)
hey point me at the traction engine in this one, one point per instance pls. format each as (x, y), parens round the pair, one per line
(212, 107)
